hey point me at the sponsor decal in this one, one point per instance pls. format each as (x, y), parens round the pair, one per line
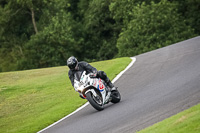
(101, 85)
(95, 83)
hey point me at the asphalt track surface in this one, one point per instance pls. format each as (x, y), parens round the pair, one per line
(160, 84)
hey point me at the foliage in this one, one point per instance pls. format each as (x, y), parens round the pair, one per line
(35, 34)
(54, 44)
(16, 28)
(189, 9)
(153, 26)
(100, 31)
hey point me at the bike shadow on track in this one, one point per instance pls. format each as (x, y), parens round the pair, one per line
(107, 108)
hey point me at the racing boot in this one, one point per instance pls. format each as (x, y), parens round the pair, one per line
(102, 75)
(111, 86)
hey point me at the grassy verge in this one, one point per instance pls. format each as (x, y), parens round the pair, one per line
(187, 121)
(33, 99)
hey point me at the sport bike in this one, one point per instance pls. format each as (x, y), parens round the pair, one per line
(96, 91)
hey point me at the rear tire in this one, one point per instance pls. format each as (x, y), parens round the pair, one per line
(116, 97)
(95, 104)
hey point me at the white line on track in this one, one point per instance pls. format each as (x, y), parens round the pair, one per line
(113, 81)
(120, 74)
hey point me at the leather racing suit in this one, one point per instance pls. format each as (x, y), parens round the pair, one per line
(84, 66)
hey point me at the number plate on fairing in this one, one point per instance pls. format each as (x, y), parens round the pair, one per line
(101, 86)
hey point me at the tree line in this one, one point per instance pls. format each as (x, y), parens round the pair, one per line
(44, 33)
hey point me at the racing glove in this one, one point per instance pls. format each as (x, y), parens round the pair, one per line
(93, 75)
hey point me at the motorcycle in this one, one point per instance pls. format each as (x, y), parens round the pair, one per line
(96, 91)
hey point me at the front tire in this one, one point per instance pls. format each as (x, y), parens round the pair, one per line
(116, 97)
(96, 102)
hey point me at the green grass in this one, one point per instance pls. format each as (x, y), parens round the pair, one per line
(33, 99)
(187, 121)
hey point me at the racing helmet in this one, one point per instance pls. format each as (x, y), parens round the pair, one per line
(72, 62)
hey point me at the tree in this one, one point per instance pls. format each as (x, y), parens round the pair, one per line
(17, 25)
(100, 34)
(55, 43)
(189, 9)
(35, 34)
(153, 26)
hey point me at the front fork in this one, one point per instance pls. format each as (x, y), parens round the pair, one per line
(108, 98)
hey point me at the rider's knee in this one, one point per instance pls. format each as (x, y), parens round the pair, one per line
(102, 74)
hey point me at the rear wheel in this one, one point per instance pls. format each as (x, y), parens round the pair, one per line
(96, 102)
(116, 97)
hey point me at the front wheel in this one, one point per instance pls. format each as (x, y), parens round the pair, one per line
(96, 102)
(116, 97)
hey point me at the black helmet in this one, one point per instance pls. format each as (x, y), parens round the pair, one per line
(72, 62)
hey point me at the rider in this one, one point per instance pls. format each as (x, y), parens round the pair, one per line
(76, 69)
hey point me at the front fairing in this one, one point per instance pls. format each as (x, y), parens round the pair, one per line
(86, 84)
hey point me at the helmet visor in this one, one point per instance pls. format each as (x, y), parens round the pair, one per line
(73, 66)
